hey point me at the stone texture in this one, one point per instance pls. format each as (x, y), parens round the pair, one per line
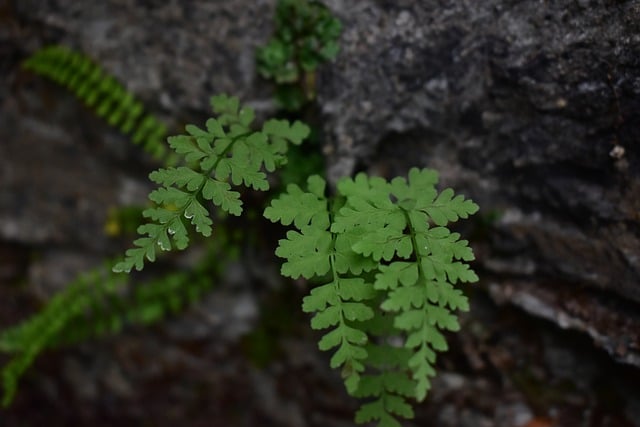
(530, 108)
(173, 53)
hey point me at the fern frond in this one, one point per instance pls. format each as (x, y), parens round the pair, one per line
(418, 263)
(388, 384)
(312, 252)
(95, 304)
(227, 152)
(27, 340)
(395, 232)
(100, 91)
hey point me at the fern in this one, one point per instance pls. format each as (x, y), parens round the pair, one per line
(101, 302)
(227, 152)
(396, 230)
(314, 251)
(97, 303)
(387, 266)
(30, 338)
(102, 92)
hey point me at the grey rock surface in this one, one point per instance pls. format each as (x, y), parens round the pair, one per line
(530, 108)
(174, 53)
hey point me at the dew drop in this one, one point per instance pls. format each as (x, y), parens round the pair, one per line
(171, 231)
(188, 216)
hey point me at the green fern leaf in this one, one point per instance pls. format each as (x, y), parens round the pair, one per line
(388, 228)
(396, 274)
(312, 252)
(99, 302)
(369, 206)
(347, 259)
(294, 133)
(391, 221)
(226, 107)
(92, 305)
(221, 195)
(447, 208)
(226, 150)
(338, 304)
(384, 243)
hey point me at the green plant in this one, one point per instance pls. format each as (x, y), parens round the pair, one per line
(306, 35)
(388, 266)
(381, 249)
(384, 264)
(101, 92)
(101, 302)
(227, 150)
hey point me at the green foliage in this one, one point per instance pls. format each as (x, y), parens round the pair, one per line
(306, 35)
(102, 92)
(227, 152)
(101, 302)
(90, 306)
(388, 265)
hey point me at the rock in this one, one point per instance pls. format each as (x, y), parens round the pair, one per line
(174, 53)
(517, 105)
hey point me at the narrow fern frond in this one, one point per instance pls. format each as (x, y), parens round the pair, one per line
(97, 303)
(226, 153)
(27, 340)
(104, 94)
